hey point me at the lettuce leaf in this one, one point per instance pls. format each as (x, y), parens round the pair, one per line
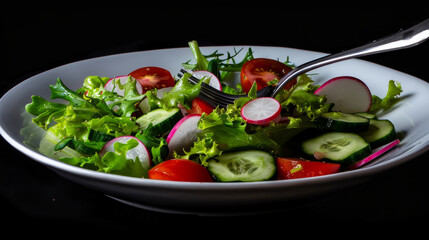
(123, 106)
(112, 162)
(392, 97)
(45, 111)
(112, 125)
(182, 93)
(300, 100)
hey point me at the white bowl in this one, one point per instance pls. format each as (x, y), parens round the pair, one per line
(222, 198)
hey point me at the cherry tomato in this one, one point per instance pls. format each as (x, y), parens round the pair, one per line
(289, 168)
(183, 170)
(199, 107)
(261, 71)
(153, 77)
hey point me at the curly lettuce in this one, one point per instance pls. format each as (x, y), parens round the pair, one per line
(392, 97)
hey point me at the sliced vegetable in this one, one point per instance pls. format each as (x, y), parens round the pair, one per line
(183, 170)
(153, 77)
(87, 148)
(243, 166)
(349, 94)
(339, 147)
(261, 111)
(163, 120)
(98, 136)
(139, 152)
(290, 168)
(113, 86)
(342, 122)
(262, 71)
(379, 133)
(214, 81)
(366, 115)
(200, 106)
(183, 134)
(375, 153)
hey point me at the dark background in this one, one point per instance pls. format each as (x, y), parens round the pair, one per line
(35, 41)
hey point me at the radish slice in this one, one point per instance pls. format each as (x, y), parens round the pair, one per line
(110, 85)
(349, 94)
(184, 133)
(139, 151)
(214, 81)
(376, 153)
(261, 111)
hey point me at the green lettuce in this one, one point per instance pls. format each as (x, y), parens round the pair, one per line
(158, 147)
(124, 106)
(112, 162)
(300, 100)
(182, 93)
(44, 111)
(392, 97)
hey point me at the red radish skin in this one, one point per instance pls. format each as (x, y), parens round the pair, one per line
(376, 153)
(349, 94)
(123, 79)
(183, 134)
(214, 81)
(139, 151)
(261, 111)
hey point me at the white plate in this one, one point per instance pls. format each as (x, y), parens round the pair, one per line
(222, 198)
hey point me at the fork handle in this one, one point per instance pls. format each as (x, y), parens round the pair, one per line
(403, 39)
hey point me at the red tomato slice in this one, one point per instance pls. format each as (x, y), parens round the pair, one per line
(261, 71)
(183, 170)
(289, 168)
(153, 77)
(199, 107)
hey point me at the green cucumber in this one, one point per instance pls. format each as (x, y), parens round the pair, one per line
(163, 120)
(380, 132)
(342, 122)
(366, 115)
(88, 148)
(243, 166)
(338, 147)
(98, 136)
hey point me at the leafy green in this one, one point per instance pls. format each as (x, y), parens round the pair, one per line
(45, 111)
(112, 162)
(157, 146)
(201, 151)
(300, 100)
(202, 62)
(224, 67)
(392, 97)
(116, 126)
(182, 93)
(124, 106)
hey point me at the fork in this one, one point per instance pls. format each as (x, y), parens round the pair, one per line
(402, 39)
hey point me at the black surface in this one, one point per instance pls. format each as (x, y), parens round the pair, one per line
(34, 41)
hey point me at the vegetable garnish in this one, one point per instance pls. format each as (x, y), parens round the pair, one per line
(147, 124)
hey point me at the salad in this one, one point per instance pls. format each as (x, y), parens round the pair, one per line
(151, 124)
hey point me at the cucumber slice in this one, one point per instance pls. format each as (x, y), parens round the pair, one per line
(380, 132)
(97, 136)
(342, 122)
(366, 115)
(163, 120)
(243, 166)
(339, 147)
